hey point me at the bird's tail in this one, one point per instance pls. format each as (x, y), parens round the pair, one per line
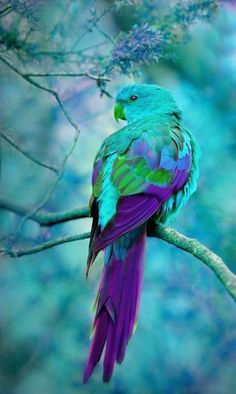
(117, 301)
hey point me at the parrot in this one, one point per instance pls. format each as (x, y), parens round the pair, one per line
(142, 175)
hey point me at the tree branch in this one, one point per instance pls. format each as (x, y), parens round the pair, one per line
(168, 234)
(10, 140)
(43, 246)
(46, 218)
(67, 53)
(201, 252)
(68, 74)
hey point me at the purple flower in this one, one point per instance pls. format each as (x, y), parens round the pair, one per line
(141, 44)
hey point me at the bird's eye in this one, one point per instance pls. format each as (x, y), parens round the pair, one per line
(133, 98)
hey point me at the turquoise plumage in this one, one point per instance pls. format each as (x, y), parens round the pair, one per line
(142, 175)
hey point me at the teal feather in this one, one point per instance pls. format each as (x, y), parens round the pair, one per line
(109, 194)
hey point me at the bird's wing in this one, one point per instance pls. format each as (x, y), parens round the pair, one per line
(132, 185)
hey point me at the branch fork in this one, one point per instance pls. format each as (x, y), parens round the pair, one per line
(167, 234)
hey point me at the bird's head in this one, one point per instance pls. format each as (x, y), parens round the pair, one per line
(138, 101)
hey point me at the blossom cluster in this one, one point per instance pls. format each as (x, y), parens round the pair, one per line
(142, 44)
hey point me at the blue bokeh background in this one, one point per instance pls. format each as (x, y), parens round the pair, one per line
(185, 342)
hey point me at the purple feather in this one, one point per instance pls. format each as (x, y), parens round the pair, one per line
(118, 303)
(132, 211)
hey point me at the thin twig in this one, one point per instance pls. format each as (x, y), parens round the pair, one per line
(10, 140)
(5, 11)
(67, 74)
(104, 34)
(56, 54)
(91, 23)
(46, 89)
(43, 246)
(46, 218)
(69, 119)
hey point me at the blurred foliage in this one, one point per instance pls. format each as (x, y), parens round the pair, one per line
(160, 24)
(186, 338)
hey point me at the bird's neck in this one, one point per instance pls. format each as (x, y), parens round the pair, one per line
(172, 118)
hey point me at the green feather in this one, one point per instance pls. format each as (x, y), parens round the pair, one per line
(118, 172)
(160, 177)
(133, 187)
(143, 171)
(97, 187)
(125, 181)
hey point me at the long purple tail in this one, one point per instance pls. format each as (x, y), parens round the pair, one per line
(117, 301)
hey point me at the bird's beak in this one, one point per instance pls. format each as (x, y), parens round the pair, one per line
(119, 112)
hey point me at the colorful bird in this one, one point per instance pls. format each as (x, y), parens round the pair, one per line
(142, 175)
